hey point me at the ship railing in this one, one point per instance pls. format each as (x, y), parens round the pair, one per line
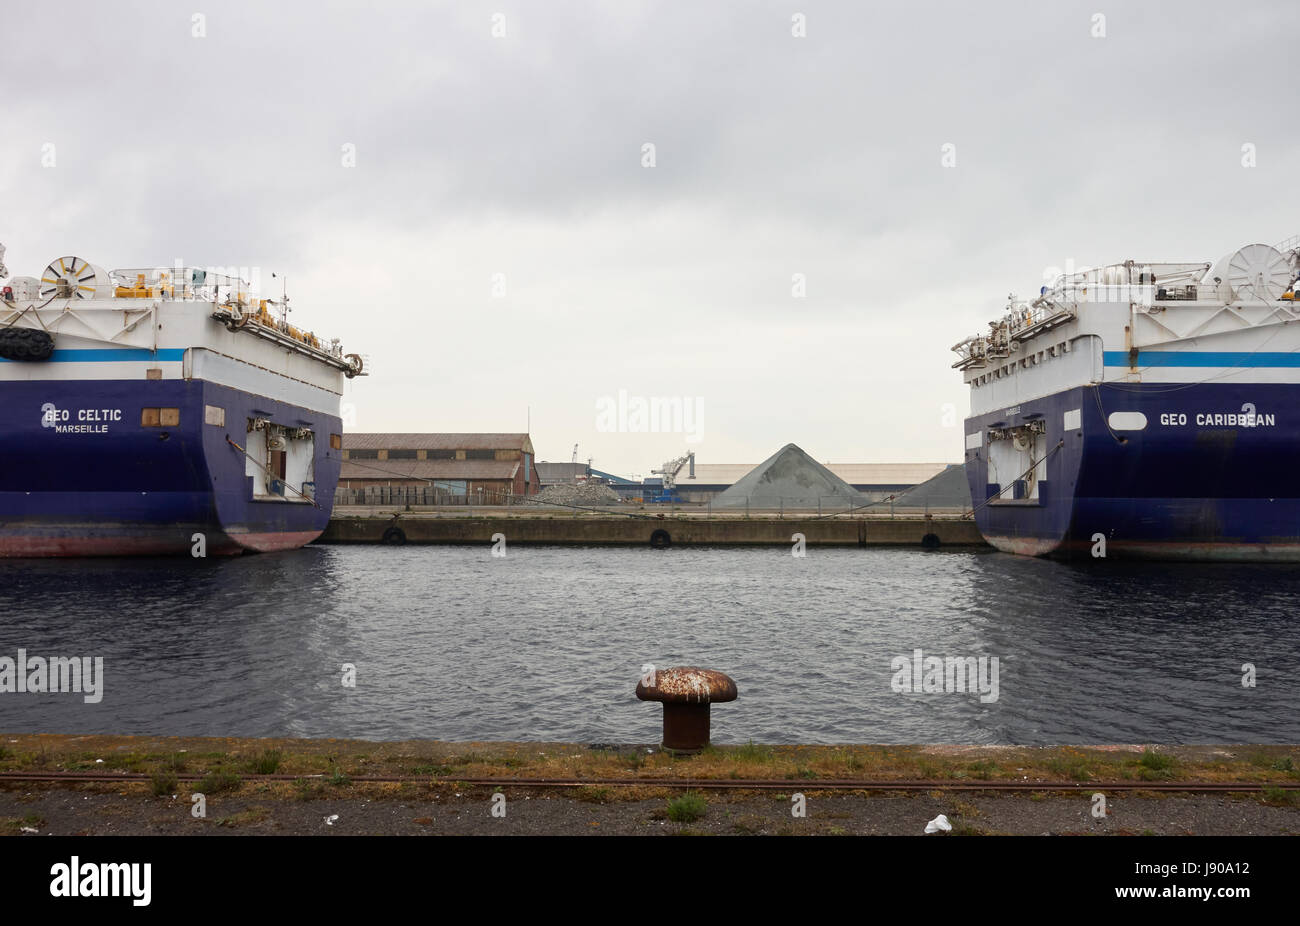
(183, 283)
(973, 351)
(1027, 319)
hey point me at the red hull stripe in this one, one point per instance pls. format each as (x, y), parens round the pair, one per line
(173, 544)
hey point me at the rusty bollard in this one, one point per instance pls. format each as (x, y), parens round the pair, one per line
(686, 693)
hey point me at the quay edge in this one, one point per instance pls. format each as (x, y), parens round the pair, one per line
(399, 528)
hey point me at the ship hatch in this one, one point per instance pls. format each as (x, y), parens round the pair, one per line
(1017, 463)
(280, 461)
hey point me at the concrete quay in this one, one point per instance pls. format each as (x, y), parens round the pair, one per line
(397, 527)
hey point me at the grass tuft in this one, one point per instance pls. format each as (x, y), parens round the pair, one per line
(163, 783)
(218, 780)
(266, 763)
(752, 752)
(1072, 767)
(1277, 797)
(687, 808)
(1154, 766)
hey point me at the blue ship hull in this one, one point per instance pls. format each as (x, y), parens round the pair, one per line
(1202, 480)
(102, 483)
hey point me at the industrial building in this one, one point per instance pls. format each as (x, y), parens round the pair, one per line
(476, 468)
(549, 474)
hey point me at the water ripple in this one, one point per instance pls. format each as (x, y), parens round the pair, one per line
(548, 643)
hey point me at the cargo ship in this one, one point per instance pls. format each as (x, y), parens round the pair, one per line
(161, 411)
(1142, 409)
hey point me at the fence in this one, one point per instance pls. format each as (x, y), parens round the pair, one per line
(422, 495)
(431, 496)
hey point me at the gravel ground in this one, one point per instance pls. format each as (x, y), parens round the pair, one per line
(64, 811)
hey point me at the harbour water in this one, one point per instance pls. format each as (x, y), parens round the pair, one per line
(547, 643)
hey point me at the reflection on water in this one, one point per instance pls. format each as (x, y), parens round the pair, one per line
(548, 644)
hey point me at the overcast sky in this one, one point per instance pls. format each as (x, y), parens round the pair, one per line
(523, 154)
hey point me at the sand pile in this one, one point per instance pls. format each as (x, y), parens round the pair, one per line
(790, 479)
(949, 489)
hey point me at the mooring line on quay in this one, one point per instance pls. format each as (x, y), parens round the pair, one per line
(730, 784)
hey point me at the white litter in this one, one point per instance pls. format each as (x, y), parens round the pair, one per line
(329, 821)
(28, 829)
(939, 823)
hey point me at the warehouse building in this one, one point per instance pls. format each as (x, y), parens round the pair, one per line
(474, 468)
(550, 474)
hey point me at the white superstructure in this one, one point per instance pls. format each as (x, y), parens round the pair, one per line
(1113, 323)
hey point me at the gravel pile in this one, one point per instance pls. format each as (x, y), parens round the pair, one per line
(790, 478)
(949, 489)
(581, 494)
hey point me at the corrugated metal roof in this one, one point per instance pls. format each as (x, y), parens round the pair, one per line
(429, 469)
(855, 474)
(560, 472)
(409, 441)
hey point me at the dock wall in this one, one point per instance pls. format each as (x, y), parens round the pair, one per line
(688, 531)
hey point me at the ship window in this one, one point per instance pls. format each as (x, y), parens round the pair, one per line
(148, 417)
(480, 454)
(403, 455)
(214, 414)
(363, 454)
(336, 441)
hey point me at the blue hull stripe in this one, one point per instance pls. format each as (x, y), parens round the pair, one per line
(1151, 358)
(110, 355)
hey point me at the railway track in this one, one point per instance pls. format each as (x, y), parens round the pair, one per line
(715, 784)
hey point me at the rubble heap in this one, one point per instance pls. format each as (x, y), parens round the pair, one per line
(583, 493)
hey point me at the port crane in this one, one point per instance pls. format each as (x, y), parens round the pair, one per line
(669, 471)
(673, 467)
